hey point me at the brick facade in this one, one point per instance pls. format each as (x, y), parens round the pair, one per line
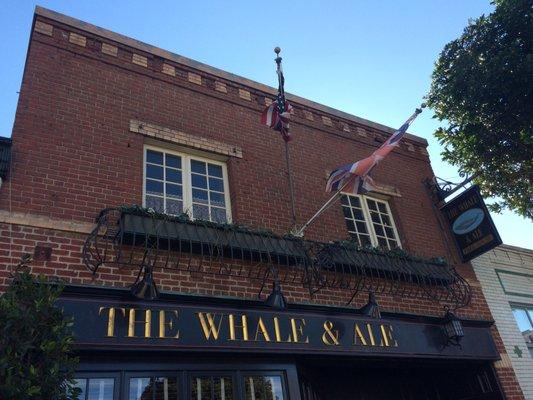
(75, 153)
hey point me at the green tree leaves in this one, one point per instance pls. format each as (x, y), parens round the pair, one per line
(35, 342)
(482, 85)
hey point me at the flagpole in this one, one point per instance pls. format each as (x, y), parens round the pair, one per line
(332, 199)
(327, 204)
(281, 107)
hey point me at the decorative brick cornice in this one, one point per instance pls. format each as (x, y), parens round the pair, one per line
(45, 29)
(184, 139)
(168, 63)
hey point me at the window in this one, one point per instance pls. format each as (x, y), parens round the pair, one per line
(153, 388)
(263, 387)
(211, 388)
(524, 318)
(175, 183)
(95, 388)
(369, 221)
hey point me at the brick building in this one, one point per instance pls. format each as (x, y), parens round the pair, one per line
(105, 122)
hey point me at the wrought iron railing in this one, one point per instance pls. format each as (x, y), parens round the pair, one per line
(133, 238)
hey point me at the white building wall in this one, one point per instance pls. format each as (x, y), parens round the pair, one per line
(506, 276)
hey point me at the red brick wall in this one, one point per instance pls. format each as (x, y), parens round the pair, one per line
(73, 155)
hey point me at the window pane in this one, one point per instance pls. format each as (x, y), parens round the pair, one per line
(173, 161)
(173, 175)
(201, 388)
(140, 389)
(263, 388)
(218, 215)
(375, 217)
(200, 212)
(223, 388)
(215, 170)
(522, 319)
(382, 208)
(358, 214)
(372, 205)
(217, 199)
(154, 171)
(199, 181)
(386, 220)
(174, 191)
(154, 157)
(198, 166)
(81, 384)
(216, 184)
(393, 244)
(354, 201)
(166, 388)
(379, 230)
(361, 227)
(199, 196)
(347, 213)
(101, 389)
(174, 207)
(154, 187)
(364, 240)
(156, 203)
(389, 233)
(382, 243)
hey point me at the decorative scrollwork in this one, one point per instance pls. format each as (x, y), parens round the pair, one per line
(130, 239)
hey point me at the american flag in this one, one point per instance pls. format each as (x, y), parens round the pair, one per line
(277, 115)
(278, 118)
(354, 178)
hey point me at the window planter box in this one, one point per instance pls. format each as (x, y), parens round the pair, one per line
(199, 238)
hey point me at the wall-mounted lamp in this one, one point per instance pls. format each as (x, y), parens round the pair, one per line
(276, 299)
(145, 287)
(453, 329)
(371, 308)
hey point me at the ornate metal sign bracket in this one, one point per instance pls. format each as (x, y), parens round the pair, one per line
(442, 188)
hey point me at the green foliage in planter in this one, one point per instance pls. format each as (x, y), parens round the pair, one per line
(392, 253)
(185, 218)
(35, 342)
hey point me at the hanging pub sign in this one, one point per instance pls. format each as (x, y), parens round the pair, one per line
(471, 224)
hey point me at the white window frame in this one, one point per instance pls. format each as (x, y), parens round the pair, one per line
(186, 178)
(368, 218)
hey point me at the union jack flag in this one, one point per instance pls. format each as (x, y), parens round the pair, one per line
(354, 178)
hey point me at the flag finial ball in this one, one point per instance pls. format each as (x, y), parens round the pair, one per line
(277, 50)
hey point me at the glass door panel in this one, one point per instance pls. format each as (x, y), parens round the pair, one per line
(153, 388)
(211, 388)
(263, 387)
(166, 389)
(95, 388)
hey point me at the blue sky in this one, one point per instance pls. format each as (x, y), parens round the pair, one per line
(370, 58)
